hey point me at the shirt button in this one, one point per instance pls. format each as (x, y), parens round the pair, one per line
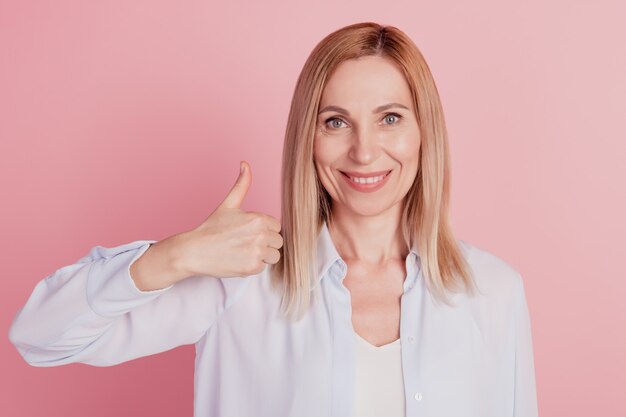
(411, 339)
(418, 396)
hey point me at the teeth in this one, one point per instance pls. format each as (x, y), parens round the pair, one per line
(370, 180)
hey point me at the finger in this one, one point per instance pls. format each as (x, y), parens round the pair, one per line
(272, 224)
(240, 189)
(275, 240)
(271, 256)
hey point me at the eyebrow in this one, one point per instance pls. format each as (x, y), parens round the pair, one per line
(376, 110)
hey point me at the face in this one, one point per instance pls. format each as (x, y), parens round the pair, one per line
(366, 128)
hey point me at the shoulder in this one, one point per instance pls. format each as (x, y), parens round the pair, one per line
(494, 276)
(499, 301)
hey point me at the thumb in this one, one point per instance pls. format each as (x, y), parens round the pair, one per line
(240, 189)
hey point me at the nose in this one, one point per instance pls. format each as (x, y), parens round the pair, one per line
(365, 147)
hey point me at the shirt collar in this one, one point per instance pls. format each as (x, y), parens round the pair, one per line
(327, 257)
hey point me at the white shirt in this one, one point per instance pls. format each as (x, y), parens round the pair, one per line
(379, 389)
(473, 360)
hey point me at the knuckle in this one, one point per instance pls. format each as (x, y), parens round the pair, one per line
(257, 253)
(260, 268)
(251, 267)
(255, 266)
(259, 240)
(258, 219)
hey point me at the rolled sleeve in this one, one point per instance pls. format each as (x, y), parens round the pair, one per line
(92, 312)
(117, 294)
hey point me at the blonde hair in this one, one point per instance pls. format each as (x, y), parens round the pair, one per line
(306, 204)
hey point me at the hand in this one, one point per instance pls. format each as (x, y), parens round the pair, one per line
(231, 242)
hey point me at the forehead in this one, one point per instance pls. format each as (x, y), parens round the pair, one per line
(367, 80)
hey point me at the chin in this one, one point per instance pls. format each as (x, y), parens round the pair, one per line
(368, 210)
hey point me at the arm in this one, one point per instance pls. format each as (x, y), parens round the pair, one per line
(93, 312)
(525, 402)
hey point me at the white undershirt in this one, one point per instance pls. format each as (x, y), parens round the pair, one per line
(379, 389)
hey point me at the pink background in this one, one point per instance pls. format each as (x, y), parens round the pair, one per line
(126, 120)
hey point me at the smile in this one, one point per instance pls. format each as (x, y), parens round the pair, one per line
(366, 184)
(370, 180)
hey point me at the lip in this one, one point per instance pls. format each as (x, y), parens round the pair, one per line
(367, 188)
(366, 175)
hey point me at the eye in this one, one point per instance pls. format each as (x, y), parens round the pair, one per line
(333, 122)
(392, 118)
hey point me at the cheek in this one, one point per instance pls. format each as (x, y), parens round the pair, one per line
(320, 159)
(324, 151)
(316, 150)
(406, 147)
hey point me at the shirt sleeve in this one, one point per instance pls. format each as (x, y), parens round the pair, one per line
(525, 401)
(91, 312)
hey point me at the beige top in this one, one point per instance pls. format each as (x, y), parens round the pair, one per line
(379, 389)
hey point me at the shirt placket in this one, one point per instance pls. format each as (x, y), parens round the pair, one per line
(410, 307)
(343, 360)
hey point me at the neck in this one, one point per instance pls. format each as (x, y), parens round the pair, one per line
(374, 240)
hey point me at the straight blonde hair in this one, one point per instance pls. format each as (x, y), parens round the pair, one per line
(305, 203)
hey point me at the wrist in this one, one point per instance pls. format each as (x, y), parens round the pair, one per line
(175, 257)
(157, 267)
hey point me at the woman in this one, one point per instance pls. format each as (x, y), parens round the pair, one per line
(359, 302)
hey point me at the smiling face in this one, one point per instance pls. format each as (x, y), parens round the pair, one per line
(366, 128)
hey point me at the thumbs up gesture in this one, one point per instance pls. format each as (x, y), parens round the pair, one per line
(239, 189)
(232, 242)
(228, 243)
